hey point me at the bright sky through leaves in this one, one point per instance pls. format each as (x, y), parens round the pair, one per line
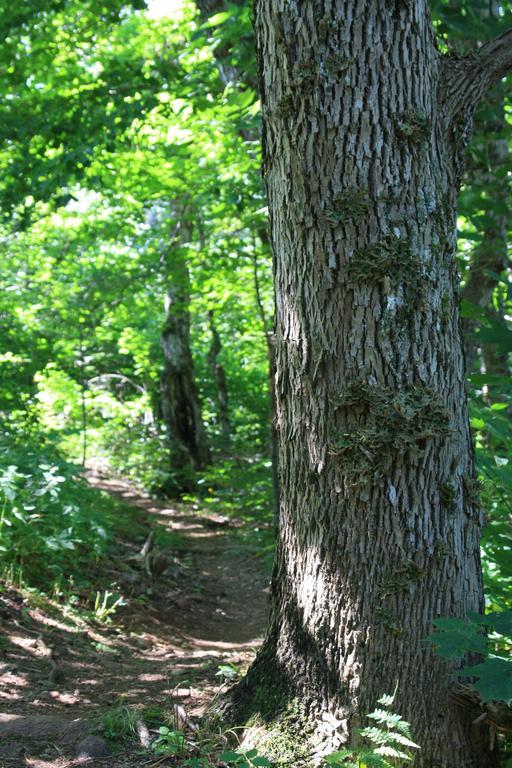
(159, 8)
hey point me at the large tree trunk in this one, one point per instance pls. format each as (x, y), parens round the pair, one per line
(365, 126)
(181, 409)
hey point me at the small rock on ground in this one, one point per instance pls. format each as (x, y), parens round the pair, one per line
(92, 747)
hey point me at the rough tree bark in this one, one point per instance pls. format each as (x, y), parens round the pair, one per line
(181, 409)
(219, 376)
(365, 127)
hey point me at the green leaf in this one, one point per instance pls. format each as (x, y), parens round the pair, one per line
(497, 333)
(472, 311)
(217, 19)
(392, 752)
(481, 379)
(495, 679)
(262, 761)
(455, 637)
(231, 757)
(340, 758)
(337, 756)
(500, 621)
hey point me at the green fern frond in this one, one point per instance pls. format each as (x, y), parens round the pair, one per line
(386, 700)
(392, 752)
(391, 719)
(404, 727)
(390, 741)
(404, 741)
(377, 735)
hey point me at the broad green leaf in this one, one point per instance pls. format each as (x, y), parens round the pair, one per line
(455, 637)
(494, 679)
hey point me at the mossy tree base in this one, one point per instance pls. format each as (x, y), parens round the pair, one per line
(268, 715)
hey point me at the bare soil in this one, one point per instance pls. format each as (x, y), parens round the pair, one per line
(162, 649)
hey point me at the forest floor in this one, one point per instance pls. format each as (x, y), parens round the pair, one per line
(159, 655)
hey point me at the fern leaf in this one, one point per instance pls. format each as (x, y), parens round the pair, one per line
(376, 735)
(404, 727)
(385, 717)
(404, 741)
(386, 700)
(340, 758)
(372, 760)
(392, 752)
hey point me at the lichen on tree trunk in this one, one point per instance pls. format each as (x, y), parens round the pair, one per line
(365, 125)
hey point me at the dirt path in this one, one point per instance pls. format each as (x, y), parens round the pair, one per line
(163, 648)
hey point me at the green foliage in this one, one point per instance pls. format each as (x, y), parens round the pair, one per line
(118, 723)
(228, 672)
(390, 742)
(53, 526)
(105, 606)
(84, 353)
(51, 522)
(248, 759)
(454, 638)
(169, 742)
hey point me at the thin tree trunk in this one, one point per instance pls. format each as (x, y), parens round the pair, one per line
(181, 409)
(365, 127)
(219, 376)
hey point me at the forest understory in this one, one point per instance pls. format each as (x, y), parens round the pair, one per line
(179, 638)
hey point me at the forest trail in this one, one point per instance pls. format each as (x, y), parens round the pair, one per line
(162, 649)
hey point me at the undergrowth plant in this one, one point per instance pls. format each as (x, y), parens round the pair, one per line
(118, 723)
(105, 607)
(170, 741)
(54, 527)
(248, 759)
(389, 742)
(489, 636)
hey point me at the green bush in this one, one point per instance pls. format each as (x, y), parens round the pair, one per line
(51, 522)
